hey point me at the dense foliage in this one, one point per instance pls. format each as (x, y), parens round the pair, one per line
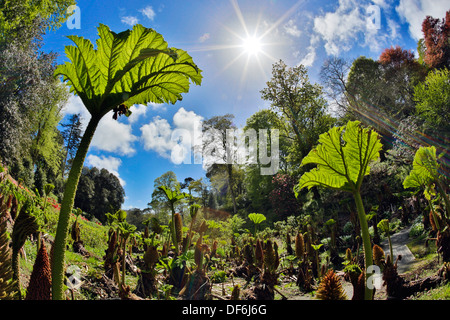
(99, 192)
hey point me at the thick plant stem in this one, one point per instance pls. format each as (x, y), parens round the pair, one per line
(174, 233)
(124, 262)
(16, 271)
(391, 252)
(59, 246)
(368, 293)
(442, 191)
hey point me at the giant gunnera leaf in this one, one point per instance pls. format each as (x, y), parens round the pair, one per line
(425, 168)
(131, 67)
(342, 158)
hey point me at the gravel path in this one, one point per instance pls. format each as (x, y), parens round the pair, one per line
(399, 241)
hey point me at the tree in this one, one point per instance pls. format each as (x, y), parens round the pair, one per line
(380, 94)
(159, 203)
(396, 58)
(46, 146)
(220, 151)
(137, 217)
(300, 103)
(86, 190)
(435, 47)
(31, 102)
(197, 190)
(342, 158)
(19, 16)
(282, 196)
(99, 192)
(433, 107)
(72, 135)
(258, 186)
(333, 75)
(433, 100)
(127, 68)
(362, 83)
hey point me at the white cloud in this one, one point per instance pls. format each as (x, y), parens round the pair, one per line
(204, 37)
(74, 105)
(339, 29)
(157, 106)
(136, 112)
(175, 142)
(381, 3)
(291, 29)
(148, 12)
(186, 119)
(310, 57)
(393, 28)
(111, 164)
(129, 20)
(357, 23)
(415, 11)
(156, 136)
(113, 136)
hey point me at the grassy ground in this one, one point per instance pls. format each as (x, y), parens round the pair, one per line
(427, 264)
(94, 237)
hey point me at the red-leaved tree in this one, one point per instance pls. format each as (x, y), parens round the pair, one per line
(282, 196)
(436, 39)
(396, 57)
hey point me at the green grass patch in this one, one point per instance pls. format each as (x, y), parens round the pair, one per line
(422, 248)
(440, 293)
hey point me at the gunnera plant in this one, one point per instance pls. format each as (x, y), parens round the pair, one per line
(7, 284)
(265, 286)
(299, 246)
(123, 69)
(40, 285)
(24, 226)
(330, 288)
(178, 228)
(343, 157)
(378, 256)
(197, 286)
(147, 285)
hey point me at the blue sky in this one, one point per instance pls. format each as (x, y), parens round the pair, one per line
(215, 33)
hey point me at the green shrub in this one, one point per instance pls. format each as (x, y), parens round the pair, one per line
(417, 229)
(219, 276)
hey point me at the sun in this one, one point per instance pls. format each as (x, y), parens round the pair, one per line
(251, 48)
(252, 45)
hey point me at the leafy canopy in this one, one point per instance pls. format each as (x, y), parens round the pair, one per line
(432, 98)
(131, 67)
(342, 157)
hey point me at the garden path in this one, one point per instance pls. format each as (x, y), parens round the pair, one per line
(399, 241)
